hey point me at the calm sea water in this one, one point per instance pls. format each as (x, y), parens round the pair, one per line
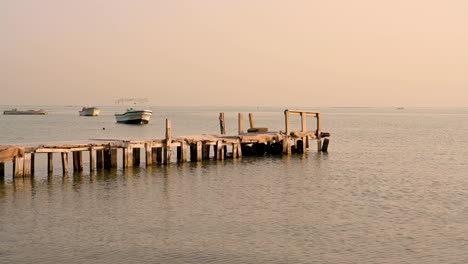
(392, 189)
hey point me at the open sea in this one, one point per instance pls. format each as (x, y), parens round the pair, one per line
(393, 188)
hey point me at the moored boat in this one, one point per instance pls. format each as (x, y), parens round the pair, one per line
(133, 116)
(15, 111)
(90, 111)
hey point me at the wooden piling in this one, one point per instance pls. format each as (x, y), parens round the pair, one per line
(64, 156)
(113, 158)
(33, 163)
(136, 157)
(319, 133)
(325, 145)
(240, 123)
(18, 166)
(168, 143)
(148, 154)
(251, 120)
(27, 165)
(2, 169)
(286, 143)
(219, 150)
(99, 158)
(77, 161)
(222, 124)
(92, 159)
(127, 157)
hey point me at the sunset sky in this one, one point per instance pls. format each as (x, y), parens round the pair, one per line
(235, 52)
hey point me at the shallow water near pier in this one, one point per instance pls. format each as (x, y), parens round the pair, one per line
(393, 188)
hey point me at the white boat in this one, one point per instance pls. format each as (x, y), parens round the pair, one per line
(15, 111)
(90, 111)
(133, 116)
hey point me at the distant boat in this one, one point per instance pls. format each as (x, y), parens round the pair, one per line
(90, 111)
(133, 116)
(15, 111)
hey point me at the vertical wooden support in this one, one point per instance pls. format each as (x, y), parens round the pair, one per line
(18, 165)
(168, 143)
(64, 162)
(219, 150)
(127, 157)
(100, 158)
(251, 120)
(325, 145)
(199, 150)
(159, 155)
(240, 123)
(149, 153)
(234, 150)
(77, 161)
(319, 133)
(239, 150)
(205, 151)
(2, 170)
(154, 155)
(27, 165)
(222, 123)
(303, 122)
(33, 163)
(92, 159)
(136, 157)
(286, 143)
(182, 152)
(113, 157)
(107, 158)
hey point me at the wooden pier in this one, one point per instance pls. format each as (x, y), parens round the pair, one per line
(103, 153)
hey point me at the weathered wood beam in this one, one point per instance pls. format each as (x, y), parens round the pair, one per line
(64, 156)
(168, 143)
(286, 143)
(77, 161)
(92, 159)
(240, 123)
(18, 166)
(251, 120)
(148, 154)
(27, 165)
(222, 124)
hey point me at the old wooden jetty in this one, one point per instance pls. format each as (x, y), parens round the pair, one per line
(103, 153)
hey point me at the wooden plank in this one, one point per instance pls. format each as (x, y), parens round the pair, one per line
(240, 123)
(18, 163)
(149, 154)
(27, 165)
(64, 162)
(251, 120)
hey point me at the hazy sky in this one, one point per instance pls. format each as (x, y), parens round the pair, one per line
(235, 52)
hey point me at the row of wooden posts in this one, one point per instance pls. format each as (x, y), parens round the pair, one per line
(104, 153)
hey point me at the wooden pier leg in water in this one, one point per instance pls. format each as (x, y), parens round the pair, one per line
(33, 163)
(50, 162)
(127, 157)
(286, 143)
(325, 145)
(77, 161)
(304, 144)
(234, 150)
(159, 155)
(149, 154)
(2, 170)
(99, 158)
(18, 167)
(136, 157)
(219, 150)
(205, 151)
(240, 123)
(168, 143)
(319, 133)
(182, 152)
(113, 158)
(199, 150)
(154, 155)
(239, 150)
(92, 159)
(64, 162)
(319, 144)
(27, 165)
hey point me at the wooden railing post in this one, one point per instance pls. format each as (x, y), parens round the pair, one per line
(168, 143)
(240, 123)
(222, 124)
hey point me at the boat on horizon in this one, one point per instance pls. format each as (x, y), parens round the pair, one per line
(133, 116)
(89, 111)
(15, 111)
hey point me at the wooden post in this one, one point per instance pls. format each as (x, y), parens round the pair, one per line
(222, 124)
(27, 165)
(182, 152)
(154, 155)
(159, 155)
(325, 145)
(107, 158)
(2, 170)
(136, 157)
(219, 150)
(100, 158)
(240, 123)
(113, 158)
(239, 150)
(33, 163)
(64, 162)
(286, 143)
(92, 159)
(168, 143)
(319, 132)
(199, 151)
(234, 150)
(149, 153)
(127, 157)
(77, 161)
(251, 120)
(18, 166)
(205, 151)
